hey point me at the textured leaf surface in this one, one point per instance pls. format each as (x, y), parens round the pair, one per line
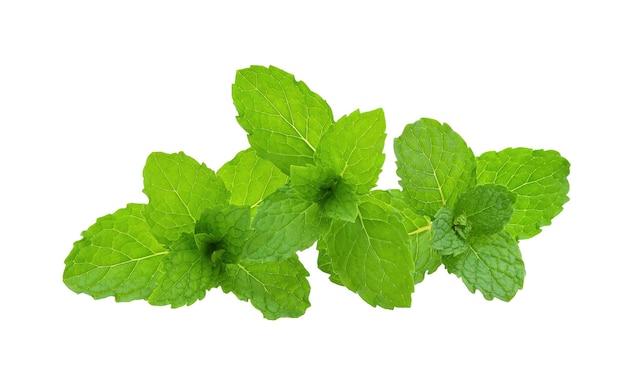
(492, 264)
(485, 209)
(250, 179)
(277, 288)
(353, 149)
(283, 117)
(228, 228)
(445, 238)
(284, 224)
(116, 257)
(434, 165)
(187, 275)
(426, 259)
(179, 190)
(371, 257)
(537, 177)
(342, 203)
(324, 262)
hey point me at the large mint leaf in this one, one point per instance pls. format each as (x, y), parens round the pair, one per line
(353, 148)
(492, 264)
(484, 209)
(434, 165)
(179, 191)
(283, 117)
(445, 239)
(250, 179)
(276, 288)
(284, 224)
(118, 256)
(537, 177)
(187, 275)
(371, 256)
(426, 259)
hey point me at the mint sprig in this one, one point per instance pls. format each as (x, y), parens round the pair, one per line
(308, 179)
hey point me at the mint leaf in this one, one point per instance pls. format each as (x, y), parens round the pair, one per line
(227, 228)
(283, 117)
(187, 275)
(426, 259)
(116, 257)
(434, 165)
(179, 191)
(537, 177)
(325, 263)
(277, 288)
(342, 203)
(336, 198)
(371, 257)
(492, 264)
(484, 209)
(284, 224)
(353, 149)
(250, 179)
(446, 239)
(312, 183)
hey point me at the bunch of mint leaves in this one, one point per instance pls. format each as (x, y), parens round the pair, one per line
(310, 179)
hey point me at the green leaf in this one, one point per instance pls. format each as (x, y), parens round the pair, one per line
(445, 238)
(371, 256)
(277, 288)
(537, 177)
(283, 117)
(284, 224)
(118, 256)
(250, 179)
(336, 198)
(312, 183)
(426, 259)
(179, 191)
(325, 263)
(342, 203)
(484, 209)
(434, 165)
(228, 229)
(353, 149)
(187, 275)
(492, 264)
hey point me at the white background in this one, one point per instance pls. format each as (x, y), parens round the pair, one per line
(89, 89)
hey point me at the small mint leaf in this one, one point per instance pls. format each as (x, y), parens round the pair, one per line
(491, 264)
(445, 239)
(227, 228)
(484, 209)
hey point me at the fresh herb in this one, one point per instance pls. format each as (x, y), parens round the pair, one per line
(308, 179)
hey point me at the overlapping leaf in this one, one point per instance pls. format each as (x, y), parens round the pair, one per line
(434, 165)
(283, 117)
(537, 177)
(116, 257)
